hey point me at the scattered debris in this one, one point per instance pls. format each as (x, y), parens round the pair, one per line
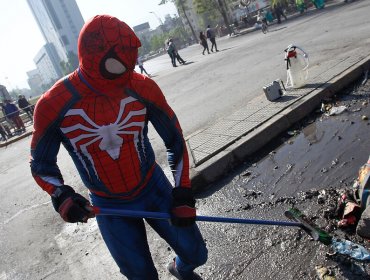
(348, 211)
(346, 247)
(331, 110)
(365, 77)
(293, 133)
(361, 190)
(337, 110)
(252, 194)
(324, 273)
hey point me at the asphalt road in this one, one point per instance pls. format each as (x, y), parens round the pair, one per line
(36, 244)
(318, 157)
(214, 86)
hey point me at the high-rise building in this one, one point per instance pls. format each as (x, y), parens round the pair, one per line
(47, 64)
(60, 22)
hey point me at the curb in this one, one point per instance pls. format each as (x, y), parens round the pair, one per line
(15, 139)
(214, 168)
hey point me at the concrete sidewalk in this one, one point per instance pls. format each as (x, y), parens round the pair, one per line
(16, 138)
(217, 149)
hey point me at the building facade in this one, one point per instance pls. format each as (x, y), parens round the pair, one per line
(60, 22)
(48, 64)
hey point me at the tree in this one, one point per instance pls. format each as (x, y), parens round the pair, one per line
(157, 42)
(276, 2)
(208, 11)
(71, 64)
(223, 11)
(145, 44)
(203, 6)
(183, 8)
(15, 93)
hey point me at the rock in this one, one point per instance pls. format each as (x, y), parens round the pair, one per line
(324, 273)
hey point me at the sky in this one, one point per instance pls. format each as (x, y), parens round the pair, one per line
(21, 38)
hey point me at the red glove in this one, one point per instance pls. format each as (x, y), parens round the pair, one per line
(71, 206)
(183, 207)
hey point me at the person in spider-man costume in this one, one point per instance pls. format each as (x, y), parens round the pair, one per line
(100, 113)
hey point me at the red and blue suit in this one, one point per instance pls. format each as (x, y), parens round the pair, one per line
(100, 113)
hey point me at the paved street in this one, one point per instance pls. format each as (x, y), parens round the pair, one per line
(216, 86)
(36, 244)
(307, 166)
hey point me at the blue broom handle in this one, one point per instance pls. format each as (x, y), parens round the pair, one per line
(167, 216)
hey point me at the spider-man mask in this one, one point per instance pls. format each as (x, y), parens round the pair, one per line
(107, 52)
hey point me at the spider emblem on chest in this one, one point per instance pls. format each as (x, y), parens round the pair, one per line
(109, 136)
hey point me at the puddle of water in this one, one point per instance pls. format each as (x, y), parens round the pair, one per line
(326, 153)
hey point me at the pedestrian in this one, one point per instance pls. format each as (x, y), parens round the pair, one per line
(176, 52)
(319, 4)
(278, 9)
(141, 66)
(7, 119)
(203, 42)
(7, 130)
(269, 16)
(212, 37)
(3, 133)
(101, 114)
(171, 52)
(12, 112)
(261, 17)
(25, 106)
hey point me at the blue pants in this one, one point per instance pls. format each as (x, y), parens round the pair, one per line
(126, 237)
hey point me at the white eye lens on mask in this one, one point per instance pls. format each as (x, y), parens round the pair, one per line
(114, 66)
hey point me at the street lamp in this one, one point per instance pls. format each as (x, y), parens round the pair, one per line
(160, 21)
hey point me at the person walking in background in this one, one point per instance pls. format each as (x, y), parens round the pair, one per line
(101, 113)
(25, 106)
(278, 9)
(211, 35)
(177, 55)
(171, 52)
(203, 42)
(141, 66)
(12, 112)
(3, 133)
